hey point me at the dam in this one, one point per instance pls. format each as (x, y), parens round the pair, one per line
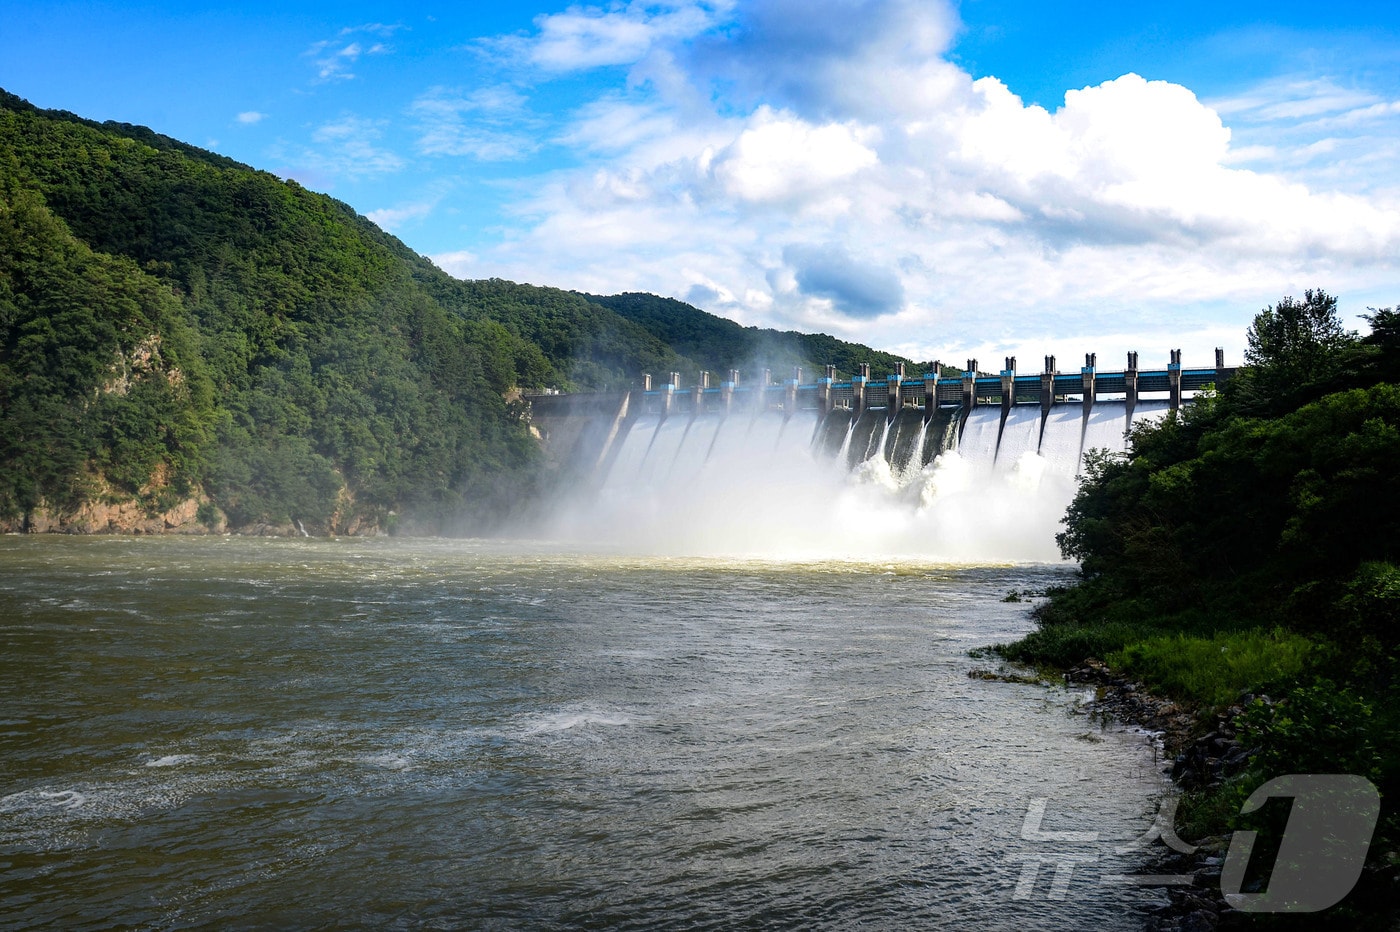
(1020, 412)
(961, 468)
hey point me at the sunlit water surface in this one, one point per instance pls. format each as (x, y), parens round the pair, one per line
(444, 734)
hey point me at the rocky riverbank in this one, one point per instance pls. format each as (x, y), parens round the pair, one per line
(1204, 747)
(1204, 750)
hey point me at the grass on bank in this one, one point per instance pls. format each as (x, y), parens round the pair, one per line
(1206, 670)
(1214, 671)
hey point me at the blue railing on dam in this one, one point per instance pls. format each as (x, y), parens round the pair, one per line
(895, 391)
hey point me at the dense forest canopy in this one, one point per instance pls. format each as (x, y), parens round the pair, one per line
(175, 324)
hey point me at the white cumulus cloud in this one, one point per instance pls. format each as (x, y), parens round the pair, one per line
(781, 158)
(824, 165)
(459, 263)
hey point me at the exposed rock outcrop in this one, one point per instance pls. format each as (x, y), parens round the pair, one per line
(121, 517)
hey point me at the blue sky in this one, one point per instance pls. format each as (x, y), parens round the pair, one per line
(944, 180)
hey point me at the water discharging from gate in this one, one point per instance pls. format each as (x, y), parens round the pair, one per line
(759, 484)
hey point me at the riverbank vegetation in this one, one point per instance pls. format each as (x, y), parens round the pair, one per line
(1246, 551)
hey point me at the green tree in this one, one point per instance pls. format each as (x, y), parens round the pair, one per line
(1296, 334)
(1295, 351)
(1382, 344)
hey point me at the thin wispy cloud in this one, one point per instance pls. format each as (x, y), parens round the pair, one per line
(394, 218)
(344, 149)
(1319, 132)
(589, 37)
(335, 58)
(1355, 118)
(1292, 98)
(461, 263)
(488, 124)
(385, 30)
(249, 117)
(584, 37)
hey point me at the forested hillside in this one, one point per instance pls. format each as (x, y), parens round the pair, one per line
(177, 329)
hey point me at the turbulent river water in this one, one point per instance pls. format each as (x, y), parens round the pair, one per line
(450, 734)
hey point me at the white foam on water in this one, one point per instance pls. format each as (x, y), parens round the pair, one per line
(756, 486)
(573, 719)
(172, 760)
(64, 799)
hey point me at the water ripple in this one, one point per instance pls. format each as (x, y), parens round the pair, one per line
(435, 734)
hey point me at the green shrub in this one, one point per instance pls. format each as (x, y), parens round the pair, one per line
(1064, 645)
(1320, 728)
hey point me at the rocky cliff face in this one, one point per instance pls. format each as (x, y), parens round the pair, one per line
(195, 515)
(124, 517)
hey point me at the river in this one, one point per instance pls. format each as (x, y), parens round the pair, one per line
(461, 734)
